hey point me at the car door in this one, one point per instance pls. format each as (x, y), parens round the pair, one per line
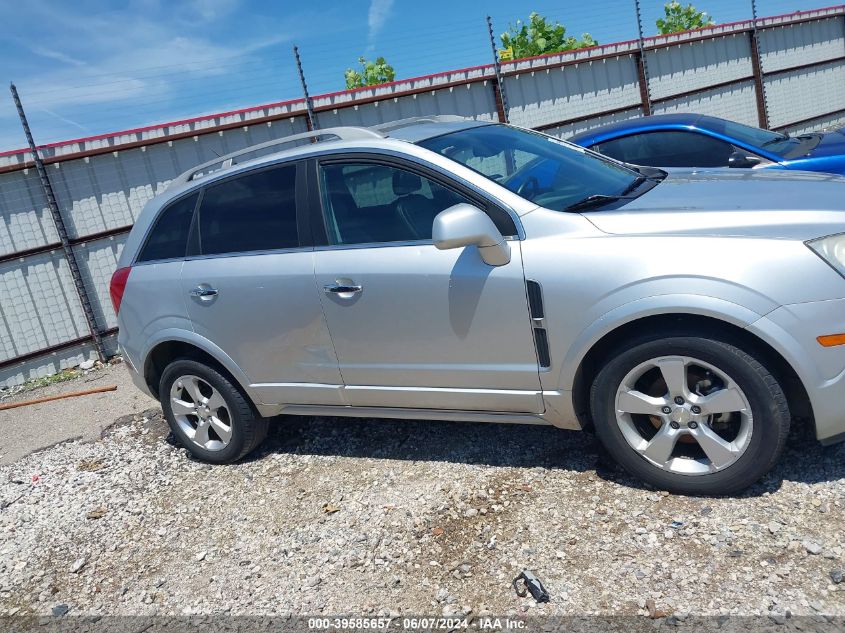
(414, 326)
(249, 286)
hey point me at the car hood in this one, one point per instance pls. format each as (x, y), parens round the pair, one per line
(782, 205)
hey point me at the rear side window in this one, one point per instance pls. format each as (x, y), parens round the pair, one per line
(254, 212)
(668, 149)
(169, 237)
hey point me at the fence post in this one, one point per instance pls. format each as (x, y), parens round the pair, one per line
(642, 66)
(498, 82)
(757, 68)
(61, 229)
(310, 121)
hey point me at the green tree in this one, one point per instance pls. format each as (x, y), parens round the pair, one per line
(682, 18)
(539, 36)
(371, 73)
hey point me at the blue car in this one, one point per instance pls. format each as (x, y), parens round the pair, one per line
(697, 140)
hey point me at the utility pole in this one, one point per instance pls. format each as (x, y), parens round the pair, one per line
(757, 68)
(642, 66)
(499, 85)
(311, 120)
(61, 229)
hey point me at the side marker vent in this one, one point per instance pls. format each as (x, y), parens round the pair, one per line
(538, 313)
(535, 300)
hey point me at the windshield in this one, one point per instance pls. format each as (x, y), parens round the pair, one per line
(539, 168)
(755, 137)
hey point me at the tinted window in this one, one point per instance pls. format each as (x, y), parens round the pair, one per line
(668, 149)
(377, 203)
(542, 169)
(169, 237)
(255, 212)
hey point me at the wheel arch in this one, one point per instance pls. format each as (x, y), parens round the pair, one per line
(185, 345)
(668, 324)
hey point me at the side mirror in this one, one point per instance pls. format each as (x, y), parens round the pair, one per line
(466, 225)
(742, 160)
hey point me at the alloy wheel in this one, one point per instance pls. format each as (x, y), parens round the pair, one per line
(684, 415)
(201, 412)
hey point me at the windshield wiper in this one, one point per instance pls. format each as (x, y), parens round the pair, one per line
(596, 200)
(635, 184)
(778, 139)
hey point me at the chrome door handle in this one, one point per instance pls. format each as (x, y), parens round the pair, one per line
(341, 289)
(202, 293)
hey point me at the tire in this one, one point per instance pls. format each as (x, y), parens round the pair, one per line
(222, 432)
(752, 428)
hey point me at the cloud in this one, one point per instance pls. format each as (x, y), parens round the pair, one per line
(57, 55)
(212, 9)
(66, 120)
(379, 11)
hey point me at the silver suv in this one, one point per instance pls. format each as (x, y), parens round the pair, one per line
(448, 269)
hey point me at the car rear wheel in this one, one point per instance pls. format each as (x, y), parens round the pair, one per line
(690, 414)
(208, 414)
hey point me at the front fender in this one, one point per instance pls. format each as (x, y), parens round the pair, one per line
(686, 304)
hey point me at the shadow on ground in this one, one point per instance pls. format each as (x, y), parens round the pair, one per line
(521, 446)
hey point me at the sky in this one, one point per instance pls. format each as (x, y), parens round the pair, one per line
(96, 66)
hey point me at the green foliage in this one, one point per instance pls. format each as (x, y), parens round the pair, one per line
(682, 18)
(371, 73)
(539, 36)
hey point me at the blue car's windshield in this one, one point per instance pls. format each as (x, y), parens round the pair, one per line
(755, 137)
(542, 169)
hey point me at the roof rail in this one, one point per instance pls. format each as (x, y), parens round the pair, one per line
(342, 133)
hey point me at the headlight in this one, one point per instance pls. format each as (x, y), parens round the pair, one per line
(832, 250)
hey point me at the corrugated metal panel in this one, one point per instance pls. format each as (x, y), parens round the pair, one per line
(475, 99)
(25, 220)
(698, 64)
(826, 122)
(541, 97)
(804, 43)
(97, 261)
(806, 93)
(736, 102)
(53, 362)
(43, 309)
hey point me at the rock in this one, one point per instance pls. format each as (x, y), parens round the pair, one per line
(97, 513)
(59, 610)
(86, 365)
(836, 575)
(313, 581)
(653, 612)
(471, 512)
(775, 527)
(200, 556)
(812, 547)
(442, 595)
(777, 618)
(78, 564)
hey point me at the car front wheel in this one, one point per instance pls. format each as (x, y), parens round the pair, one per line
(690, 414)
(208, 415)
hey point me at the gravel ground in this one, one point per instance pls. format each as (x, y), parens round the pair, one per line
(39, 426)
(335, 516)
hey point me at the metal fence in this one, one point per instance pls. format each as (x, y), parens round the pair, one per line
(784, 72)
